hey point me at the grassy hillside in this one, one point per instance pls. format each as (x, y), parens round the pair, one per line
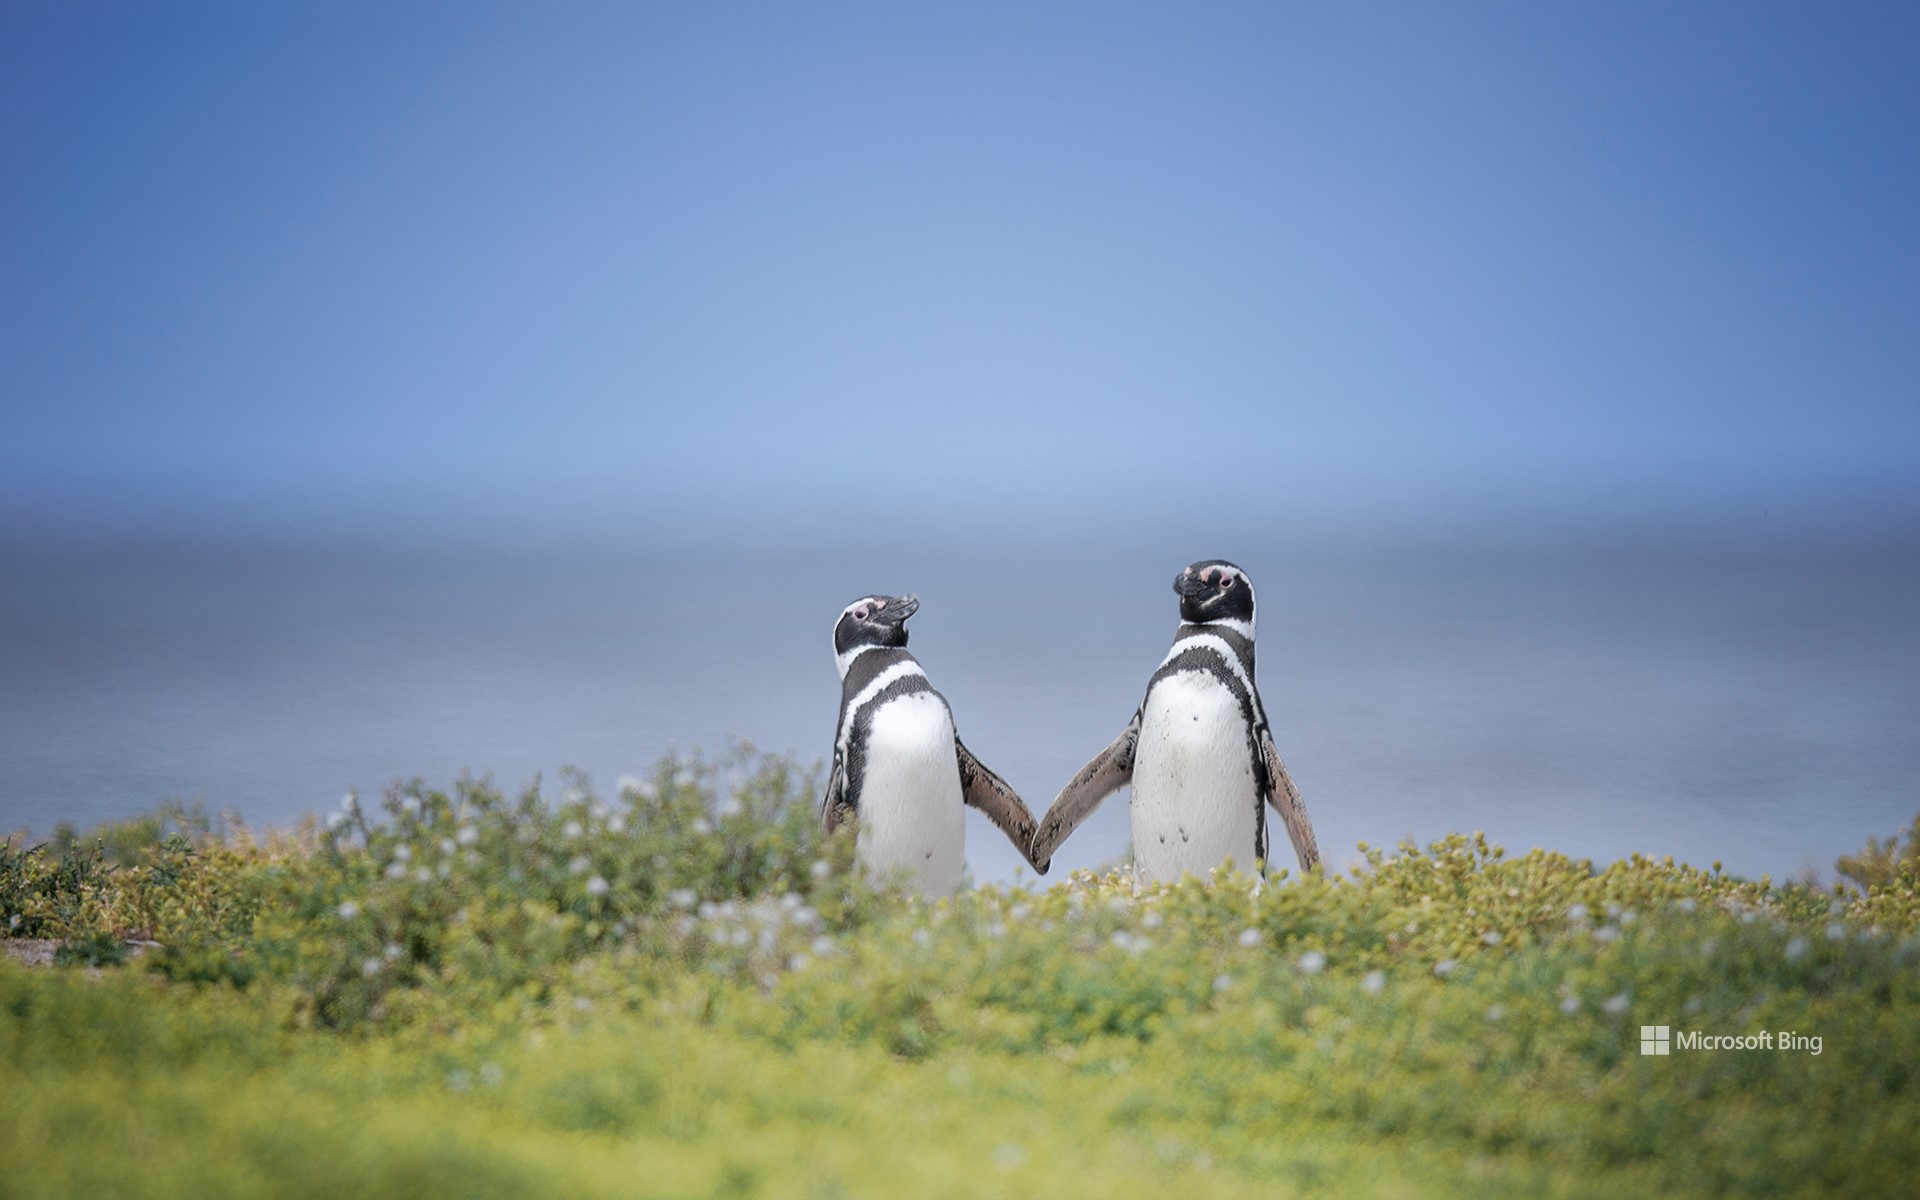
(683, 991)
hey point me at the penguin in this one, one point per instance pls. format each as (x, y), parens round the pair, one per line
(897, 762)
(1198, 751)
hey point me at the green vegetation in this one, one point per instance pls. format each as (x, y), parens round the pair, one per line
(685, 991)
(1882, 864)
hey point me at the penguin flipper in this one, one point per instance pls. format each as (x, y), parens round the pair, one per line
(986, 791)
(1286, 801)
(833, 806)
(1110, 770)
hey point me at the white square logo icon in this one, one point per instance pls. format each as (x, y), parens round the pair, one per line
(1654, 1040)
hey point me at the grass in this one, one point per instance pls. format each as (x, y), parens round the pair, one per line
(685, 991)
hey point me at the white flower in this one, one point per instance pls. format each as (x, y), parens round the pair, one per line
(348, 910)
(1312, 962)
(1222, 982)
(467, 835)
(1615, 1005)
(996, 930)
(1018, 912)
(392, 951)
(921, 937)
(1606, 933)
(822, 946)
(349, 802)
(422, 875)
(1685, 904)
(1374, 983)
(411, 805)
(446, 846)
(1570, 1005)
(336, 819)
(582, 1004)
(596, 886)
(1444, 967)
(1836, 931)
(1796, 948)
(490, 1073)
(1576, 912)
(397, 871)
(372, 967)
(578, 864)
(1151, 921)
(403, 853)
(571, 830)
(790, 902)
(729, 807)
(797, 962)
(819, 869)
(616, 824)
(1249, 937)
(682, 898)
(1491, 937)
(1496, 1012)
(459, 1081)
(701, 826)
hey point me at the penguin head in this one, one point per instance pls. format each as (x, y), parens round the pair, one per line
(1214, 590)
(874, 621)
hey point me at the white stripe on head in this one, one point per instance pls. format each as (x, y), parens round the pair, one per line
(1243, 628)
(878, 684)
(844, 659)
(871, 602)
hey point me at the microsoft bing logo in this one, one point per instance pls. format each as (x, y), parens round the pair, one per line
(1653, 1040)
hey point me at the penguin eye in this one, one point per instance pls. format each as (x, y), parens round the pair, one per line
(1226, 581)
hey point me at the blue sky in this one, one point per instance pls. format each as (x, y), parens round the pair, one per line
(378, 262)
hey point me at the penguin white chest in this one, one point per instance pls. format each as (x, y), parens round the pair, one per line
(912, 815)
(1195, 798)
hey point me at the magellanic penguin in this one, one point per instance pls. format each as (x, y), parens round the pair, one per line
(1198, 752)
(897, 762)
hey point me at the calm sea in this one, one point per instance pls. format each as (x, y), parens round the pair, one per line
(1748, 699)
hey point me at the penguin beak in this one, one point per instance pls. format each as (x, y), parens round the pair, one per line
(1191, 586)
(897, 610)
